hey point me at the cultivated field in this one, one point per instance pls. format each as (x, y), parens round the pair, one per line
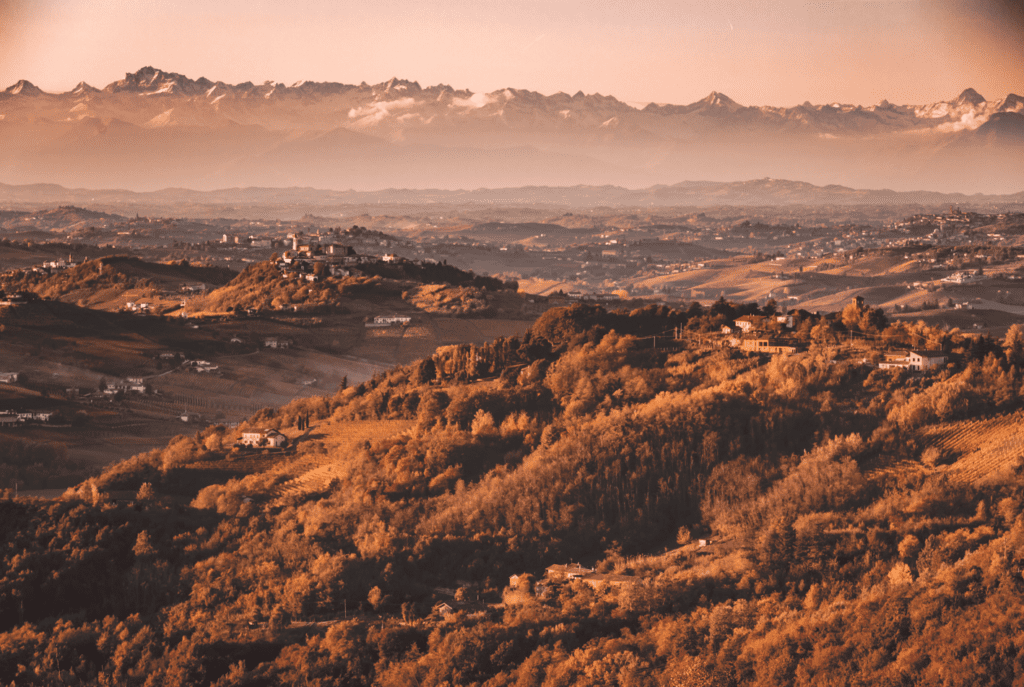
(980, 447)
(968, 451)
(340, 440)
(59, 347)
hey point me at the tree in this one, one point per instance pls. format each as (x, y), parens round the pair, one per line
(145, 493)
(425, 372)
(1013, 345)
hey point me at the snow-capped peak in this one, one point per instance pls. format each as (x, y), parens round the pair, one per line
(970, 97)
(82, 88)
(1011, 103)
(719, 100)
(24, 87)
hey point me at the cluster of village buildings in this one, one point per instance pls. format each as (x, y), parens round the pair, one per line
(560, 574)
(747, 334)
(133, 385)
(307, 252)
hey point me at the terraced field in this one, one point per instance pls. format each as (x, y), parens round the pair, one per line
(341, 440)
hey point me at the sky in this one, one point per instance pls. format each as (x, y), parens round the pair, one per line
(759, 52)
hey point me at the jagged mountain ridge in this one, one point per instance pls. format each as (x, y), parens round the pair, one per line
(156, 128)
(371, 106)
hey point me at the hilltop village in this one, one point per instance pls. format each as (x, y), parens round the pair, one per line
(809, 255)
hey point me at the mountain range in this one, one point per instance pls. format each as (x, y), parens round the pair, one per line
(292, 203)
(156, 129)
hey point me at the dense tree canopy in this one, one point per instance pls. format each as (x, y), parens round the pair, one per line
(844, 550)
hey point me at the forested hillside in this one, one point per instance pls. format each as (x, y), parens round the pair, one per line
(759, 521)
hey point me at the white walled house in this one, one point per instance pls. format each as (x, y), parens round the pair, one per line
(918, 361)
(925, 360)
(268, 438)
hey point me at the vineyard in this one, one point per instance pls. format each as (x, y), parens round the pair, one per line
(981, 446)
(316, 472)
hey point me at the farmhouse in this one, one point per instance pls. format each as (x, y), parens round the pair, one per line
(771, 346)
(274, 342)
(9, 377)
(557, 573)
(269, 438)
(919, 360)
(964, 278)
(388, 320)
(785, 320)
(749, 323)
(522, 580)
(925, 360)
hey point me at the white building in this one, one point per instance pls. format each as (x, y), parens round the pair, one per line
(925, 360)
(918, 361)
(269, 438)
(276, 343)
(388, 320)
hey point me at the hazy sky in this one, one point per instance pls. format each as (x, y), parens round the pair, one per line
(776, 52)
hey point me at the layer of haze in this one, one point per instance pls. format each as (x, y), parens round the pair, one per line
(780, 53)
